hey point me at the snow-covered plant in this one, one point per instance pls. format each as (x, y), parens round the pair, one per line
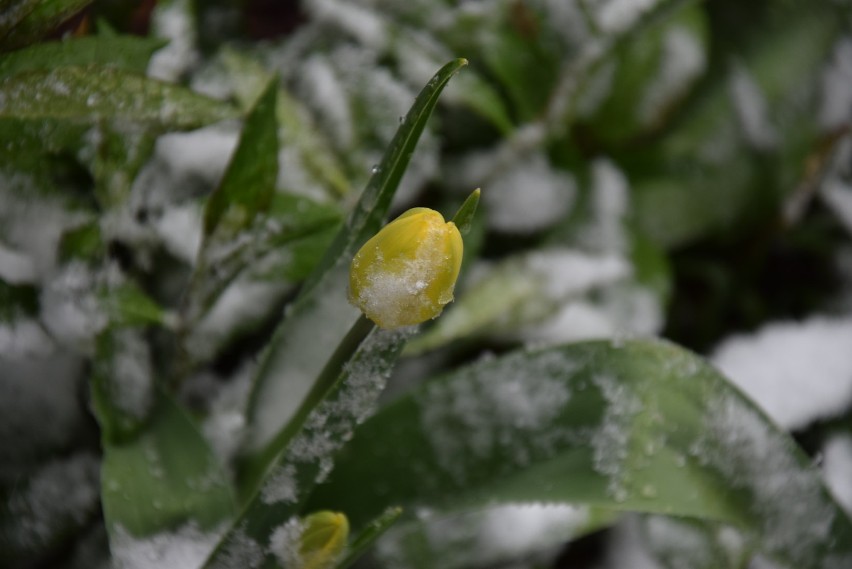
(193, 215)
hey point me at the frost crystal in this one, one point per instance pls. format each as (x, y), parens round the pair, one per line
(239, 552)
(503, 407)
(284, 543)
(331, 424)
(611, 442)
(788, 498)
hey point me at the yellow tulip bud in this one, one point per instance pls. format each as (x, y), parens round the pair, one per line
(323, 540)
(406, 273)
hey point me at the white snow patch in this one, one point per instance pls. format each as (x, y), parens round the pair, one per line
(836, 109)
(130, 373)
(242, 304)
(70, 308)
(837, 194)
(496, 406)
(202, 153)
(320, 84)
(520, 529)
(796, 371)
(285, 541)
(360, 22)
(186, 547)
(23, 338)
(627, 548)
(173, 21)
(280, 486)
(16, 268)
(837, 469)
(610, 204)
(224, 427)
(752, 109)
(529, 195)
(563, 272)
(61, 495)
(180, 228)
(615, 16)
(682, 61)
(32, 224)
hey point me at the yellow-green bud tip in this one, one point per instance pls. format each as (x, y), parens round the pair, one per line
(323, 540)
(406, 273)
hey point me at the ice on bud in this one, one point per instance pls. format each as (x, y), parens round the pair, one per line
(406, 273)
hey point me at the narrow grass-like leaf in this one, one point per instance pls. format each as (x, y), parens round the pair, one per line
(321, 316)
(242, 199)
(124, 52)
(644, 426)
(249, 182)
(345, 395)
(42, 18)
(87, 94)
(297, 129)
(368, 536)
(165, 477)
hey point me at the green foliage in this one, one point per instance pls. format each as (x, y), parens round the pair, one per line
(174, 259)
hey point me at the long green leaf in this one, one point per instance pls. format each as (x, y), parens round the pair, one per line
(321, 316)
(124, 52)
(644, 426)
(323, 424)
(86, 94)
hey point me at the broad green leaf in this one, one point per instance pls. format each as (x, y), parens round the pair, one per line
(123, 52)
(321, 315)
(43, 17)
(163, 478)
(641, 426)
(344, 395)
(86, 94)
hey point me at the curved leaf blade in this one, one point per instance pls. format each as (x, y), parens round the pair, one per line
(87, 94)
(644, 426)
(322, 316)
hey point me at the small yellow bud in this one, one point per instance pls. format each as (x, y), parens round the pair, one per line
(323, 540)
(406, 273)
